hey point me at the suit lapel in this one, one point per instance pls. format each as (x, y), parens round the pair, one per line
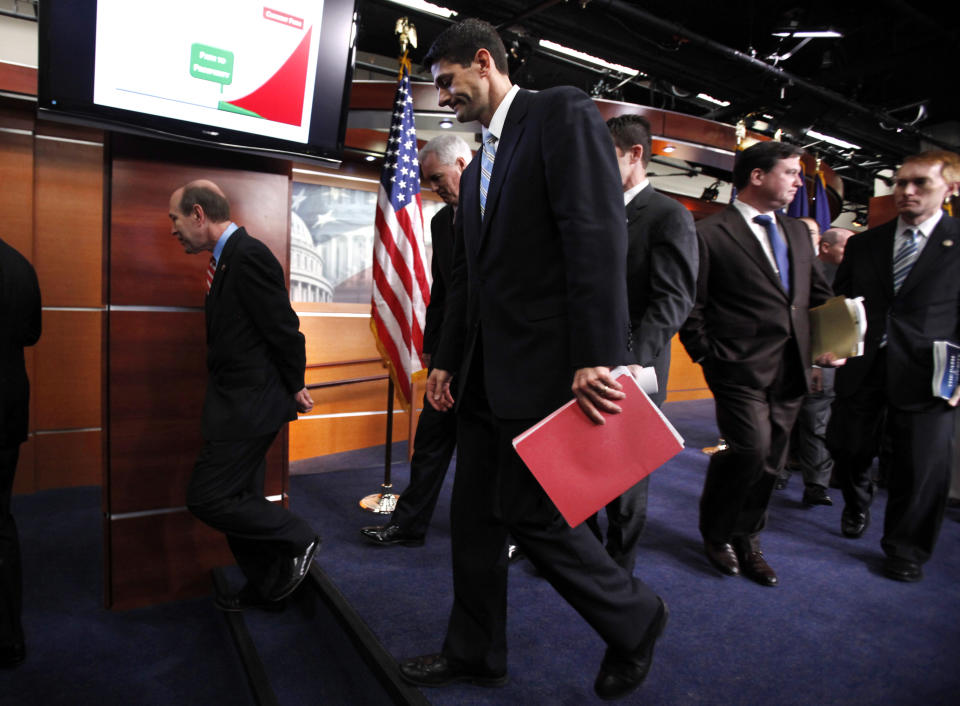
(882, 258)
(512, 131)
(933, 251)
(638, 203)
(737, 228)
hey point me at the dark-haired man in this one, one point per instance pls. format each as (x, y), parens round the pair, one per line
(538, 297)
(908, 273)
(20, 323)
(661, 286)
(255, 365)
(750, 331)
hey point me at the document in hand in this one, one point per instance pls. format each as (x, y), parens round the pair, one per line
(946, 368)
(838, 326)
(582, 466)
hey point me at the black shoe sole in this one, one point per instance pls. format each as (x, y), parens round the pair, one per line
(393, 542)
(307, 561)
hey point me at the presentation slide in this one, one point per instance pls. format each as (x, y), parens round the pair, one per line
(234, 64)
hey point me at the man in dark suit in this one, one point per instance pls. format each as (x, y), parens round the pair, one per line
(908, 272)
(538, 298)
(255, 364)
(750, 330)
(661, 286)
(442, 160)
(19, 327)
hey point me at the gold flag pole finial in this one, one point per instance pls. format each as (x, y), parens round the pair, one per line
(407, 36)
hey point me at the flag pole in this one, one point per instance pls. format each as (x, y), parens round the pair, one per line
(384, 502)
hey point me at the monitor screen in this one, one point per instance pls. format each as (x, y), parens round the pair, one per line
(268, 78)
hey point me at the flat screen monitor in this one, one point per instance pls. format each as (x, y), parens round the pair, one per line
(270, 77)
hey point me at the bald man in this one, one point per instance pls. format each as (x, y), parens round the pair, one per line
(255, 363)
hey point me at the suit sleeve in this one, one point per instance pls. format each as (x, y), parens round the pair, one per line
(693, 333)
(452, 333)
(673, 283)
(586, 200)
(263, 295)
(438, 290)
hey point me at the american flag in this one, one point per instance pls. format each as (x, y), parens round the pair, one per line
(401, 280)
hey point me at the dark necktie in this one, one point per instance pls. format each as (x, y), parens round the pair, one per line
(779, 248)
(211, 271)
(904, 258)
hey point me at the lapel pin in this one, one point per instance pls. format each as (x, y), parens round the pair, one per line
(947, 243)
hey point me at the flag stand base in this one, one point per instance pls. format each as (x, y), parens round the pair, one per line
(380, 503)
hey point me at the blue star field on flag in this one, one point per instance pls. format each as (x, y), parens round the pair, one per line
(401, 171)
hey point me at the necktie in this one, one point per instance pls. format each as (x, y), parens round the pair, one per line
(779, 248)
(487, 155)
(211, 271)
(904, 258)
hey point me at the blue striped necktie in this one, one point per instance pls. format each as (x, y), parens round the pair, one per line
(904, 258)
(779, 248)
(487, 155)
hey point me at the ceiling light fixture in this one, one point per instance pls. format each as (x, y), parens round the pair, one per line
(427, 7)
(589, 58)
(446, 123)
(809, 34)
(669, 148)
(711, 99)
(832, 140)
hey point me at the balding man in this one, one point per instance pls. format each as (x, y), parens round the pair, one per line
(442, 160)
(830, 253)
(255, 363)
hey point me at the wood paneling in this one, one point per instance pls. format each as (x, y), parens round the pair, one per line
(16, 176)
(69, 219)
(67, 459)
(164, 557)
(67, 381)
(18, 79)
(318, 437)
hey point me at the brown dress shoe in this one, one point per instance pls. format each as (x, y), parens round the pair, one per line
(722, 556)
(756, 568)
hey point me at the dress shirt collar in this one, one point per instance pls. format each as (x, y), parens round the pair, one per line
(749, 213)
(222, 240)
(630, 193)
(925, 228)
(500, 114)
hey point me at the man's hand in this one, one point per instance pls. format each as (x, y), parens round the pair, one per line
(955, 397)
(304, 400)
(438, 390)
(829, 360)
(595, 389)
(816, 380)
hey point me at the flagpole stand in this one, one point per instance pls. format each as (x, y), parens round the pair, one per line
(383, 503)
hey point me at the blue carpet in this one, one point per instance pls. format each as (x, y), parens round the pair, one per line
(834, 632)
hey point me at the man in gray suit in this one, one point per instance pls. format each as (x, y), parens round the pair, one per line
(661, 286)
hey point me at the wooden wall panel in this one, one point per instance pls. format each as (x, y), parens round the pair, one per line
(16, 176)
(307, 435)
(67, 380)
(686, 381)
(69, 223)
(160, 558)
(67, 459)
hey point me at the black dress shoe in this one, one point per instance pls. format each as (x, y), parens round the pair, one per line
(292, 571)
(816, 495)
(854, 524)
(621, 673)
(514, 554)
(756, 568)
(437, 670)
(722, 556)
(781, 483)
(901, 569)
(12, 655)
(386, 535)
(247, 598)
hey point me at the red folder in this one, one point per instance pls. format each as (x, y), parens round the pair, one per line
(582, 466)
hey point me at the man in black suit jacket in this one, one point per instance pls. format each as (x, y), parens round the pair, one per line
(908, 272)
(750, 330)
(442, 160)
(538, 297)
(661, 286)
(19, 326)
(255, 364)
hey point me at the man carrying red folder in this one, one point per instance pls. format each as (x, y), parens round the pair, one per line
(538, 297)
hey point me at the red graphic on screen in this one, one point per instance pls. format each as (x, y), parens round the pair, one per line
(280, 99)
